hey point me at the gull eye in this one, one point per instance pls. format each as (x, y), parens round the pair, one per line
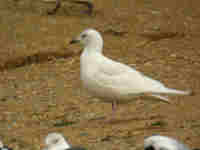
(84, 35)
(55, 141)
(150, 148)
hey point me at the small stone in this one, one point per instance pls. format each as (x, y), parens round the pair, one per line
(173, 55)
(49, 1)
(148, 64)
(83, 134)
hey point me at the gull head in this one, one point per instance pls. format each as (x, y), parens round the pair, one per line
(55, 141)
(157, 142)
(90, 39)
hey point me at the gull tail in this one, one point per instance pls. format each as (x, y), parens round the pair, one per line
(176, 92)
(170, 91)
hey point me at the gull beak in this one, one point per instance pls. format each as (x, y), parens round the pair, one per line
(74, 41)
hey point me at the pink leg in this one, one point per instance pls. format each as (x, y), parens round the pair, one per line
(114, 109)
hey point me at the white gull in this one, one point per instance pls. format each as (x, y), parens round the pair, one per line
(56, 141)
(158, 142)
(111, 80)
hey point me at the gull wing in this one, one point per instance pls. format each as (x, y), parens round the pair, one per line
(121, 77)
(118, 70)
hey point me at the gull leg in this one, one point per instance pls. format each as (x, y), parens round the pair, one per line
(114, 108)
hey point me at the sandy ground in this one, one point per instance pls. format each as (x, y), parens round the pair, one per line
(39, 78)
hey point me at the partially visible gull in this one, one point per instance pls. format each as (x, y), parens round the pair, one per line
(4, 147)
(158, 142)
(111, 80)
(55, 141)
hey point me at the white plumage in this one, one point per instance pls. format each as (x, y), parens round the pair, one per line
(4, 147)
(157, 142)
(55, 141)
(1, 144)
(112, 80)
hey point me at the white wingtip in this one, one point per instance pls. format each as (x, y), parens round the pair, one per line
(163, 98)
(179, 92)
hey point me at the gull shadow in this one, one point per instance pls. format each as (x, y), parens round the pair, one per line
(156, 36)
(126, 120)
(37, 58)
(87, 4)
(157, 129)
(105, 120)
